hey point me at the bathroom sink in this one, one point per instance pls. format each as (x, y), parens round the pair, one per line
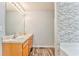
(16, 39)
(20, 37)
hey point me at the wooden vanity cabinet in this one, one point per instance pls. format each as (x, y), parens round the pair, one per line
(17, 49)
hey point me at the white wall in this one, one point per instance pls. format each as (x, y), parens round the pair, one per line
(40, 23)
(2, 24)
(14, 22)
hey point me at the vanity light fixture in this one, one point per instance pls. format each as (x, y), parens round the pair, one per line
(18, 7)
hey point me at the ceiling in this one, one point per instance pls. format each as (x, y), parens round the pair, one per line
(32, 6)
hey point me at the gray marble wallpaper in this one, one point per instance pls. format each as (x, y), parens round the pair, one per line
(68, 21)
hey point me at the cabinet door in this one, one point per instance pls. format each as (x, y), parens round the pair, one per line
(30, 43)
(11, 49)
(6, 51)
(25, 49)
(16, 49)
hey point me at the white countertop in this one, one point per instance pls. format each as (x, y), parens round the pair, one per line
(19, 39)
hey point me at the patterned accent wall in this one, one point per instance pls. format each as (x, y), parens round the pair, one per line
(68, 21)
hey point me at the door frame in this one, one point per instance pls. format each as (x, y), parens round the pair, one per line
(56, 36)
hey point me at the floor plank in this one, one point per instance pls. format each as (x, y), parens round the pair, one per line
(42, 52)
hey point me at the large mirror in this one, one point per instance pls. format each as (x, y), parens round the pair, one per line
(14, 19)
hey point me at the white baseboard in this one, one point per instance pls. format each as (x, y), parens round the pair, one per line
(51, 46)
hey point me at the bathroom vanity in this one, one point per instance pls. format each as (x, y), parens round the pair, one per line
(19, 46)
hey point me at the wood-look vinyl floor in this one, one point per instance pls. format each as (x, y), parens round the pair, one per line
(42, 52)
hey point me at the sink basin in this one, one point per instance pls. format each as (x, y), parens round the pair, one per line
(20, 37)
